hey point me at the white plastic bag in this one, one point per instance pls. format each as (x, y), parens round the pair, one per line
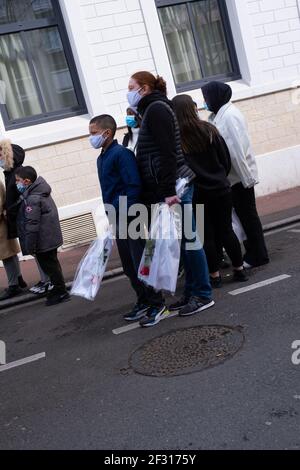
(238, 228)
(92, 267)
(160, 261)
(181, 186)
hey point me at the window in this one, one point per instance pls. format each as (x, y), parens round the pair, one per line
(38, 77)
(199, 41)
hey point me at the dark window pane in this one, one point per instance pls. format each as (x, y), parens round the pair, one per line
(51, 68)
(210, 30)
(20, 95)
(180, 43)
(13, 11)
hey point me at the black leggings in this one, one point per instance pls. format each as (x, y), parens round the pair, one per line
(219, 233)
(245, 205)
(51, 266)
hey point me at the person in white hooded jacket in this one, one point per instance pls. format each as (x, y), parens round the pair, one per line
(244, 173)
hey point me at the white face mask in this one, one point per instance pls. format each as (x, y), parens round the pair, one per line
(134, 97)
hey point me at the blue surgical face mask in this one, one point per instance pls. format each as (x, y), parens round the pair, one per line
(206, 106)
(97, 141)
(21, 187)
(2, 164)
(131, 121)
(134, 97)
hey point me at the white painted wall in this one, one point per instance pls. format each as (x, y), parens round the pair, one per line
(278, 171)
(276, 25)
(111, 39)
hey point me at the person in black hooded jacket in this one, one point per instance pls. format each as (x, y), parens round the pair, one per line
(244, 173)
(11, 157)
(14, 161)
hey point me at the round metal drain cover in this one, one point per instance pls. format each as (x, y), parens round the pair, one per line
(187, 351)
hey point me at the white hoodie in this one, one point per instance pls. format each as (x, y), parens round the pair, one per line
(233, 128)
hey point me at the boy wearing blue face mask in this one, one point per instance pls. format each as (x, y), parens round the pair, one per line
(39, 229)
(119, 176)
(133, 122)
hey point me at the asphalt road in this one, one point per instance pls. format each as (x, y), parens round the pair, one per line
(83, 395)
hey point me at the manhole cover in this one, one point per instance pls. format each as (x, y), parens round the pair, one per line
(187, 351)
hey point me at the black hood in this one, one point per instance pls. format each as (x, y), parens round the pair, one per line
(147, 100)
(19, 155)
(216, 95)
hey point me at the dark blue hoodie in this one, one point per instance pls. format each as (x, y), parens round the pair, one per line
(119, 175)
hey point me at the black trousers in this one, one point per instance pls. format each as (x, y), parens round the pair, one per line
(218, 232)
(245, 205)
(131, 252)
(51, 266)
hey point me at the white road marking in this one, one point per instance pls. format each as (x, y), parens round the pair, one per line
(294, 231)
(278, 230)
(21, 362)
(134, 326)
(267, 282)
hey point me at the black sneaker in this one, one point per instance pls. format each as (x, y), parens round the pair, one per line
(179, 305)
(196, 305)
(22, 283)
(216, 282)
(10, 292)
(153, 316)
(240, 276)
(58, 299)
(225, 263)
(137, 313)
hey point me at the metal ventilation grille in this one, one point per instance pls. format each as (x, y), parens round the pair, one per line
(78, 230)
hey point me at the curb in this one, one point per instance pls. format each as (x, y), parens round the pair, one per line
(114, 273)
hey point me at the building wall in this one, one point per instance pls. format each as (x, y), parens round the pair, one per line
(111, 39)
(119, 45)
(276, 28)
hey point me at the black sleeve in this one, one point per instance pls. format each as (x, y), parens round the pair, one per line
(162, 128)
(223, 154)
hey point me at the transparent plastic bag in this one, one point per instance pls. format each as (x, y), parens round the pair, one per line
(92, 267)
(181, 186)
(238, 228)
(160, 261)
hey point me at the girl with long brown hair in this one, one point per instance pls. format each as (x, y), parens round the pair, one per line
(208, 156)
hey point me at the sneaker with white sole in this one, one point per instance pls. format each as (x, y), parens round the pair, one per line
(153, 317)
(196, 305)
(183, 302)
(41, 288)
(138, 312)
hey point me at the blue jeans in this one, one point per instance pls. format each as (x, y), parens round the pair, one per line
(197, 281)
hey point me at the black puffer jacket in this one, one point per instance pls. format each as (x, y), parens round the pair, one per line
(159, 154)
(12, 194)
(38, 222)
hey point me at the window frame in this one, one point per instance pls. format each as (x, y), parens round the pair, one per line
(39, 24)
(195, 84)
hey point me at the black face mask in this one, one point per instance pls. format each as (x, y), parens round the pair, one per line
(216, 95)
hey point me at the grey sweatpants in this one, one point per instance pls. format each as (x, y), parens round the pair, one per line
(12, 269)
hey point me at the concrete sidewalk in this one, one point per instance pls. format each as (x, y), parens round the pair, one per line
(271, 208)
